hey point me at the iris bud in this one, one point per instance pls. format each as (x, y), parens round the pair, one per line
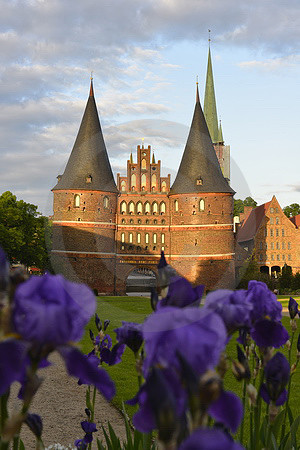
(35, 424)
(98, 322)
(293, 324)
(210, 387)
(252, 394)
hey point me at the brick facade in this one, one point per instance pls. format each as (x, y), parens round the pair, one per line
(272, 237)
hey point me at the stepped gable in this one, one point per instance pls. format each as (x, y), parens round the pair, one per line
(88, 167)
(251, 224)
(199, 169)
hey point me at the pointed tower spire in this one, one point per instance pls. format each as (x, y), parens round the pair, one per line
(220, 133)
(91, 87)
(210, 108)
(199, 169)
(88, 167)
(131, 158)
(153, 158)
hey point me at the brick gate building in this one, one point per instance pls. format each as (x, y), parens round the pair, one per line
(103, 230)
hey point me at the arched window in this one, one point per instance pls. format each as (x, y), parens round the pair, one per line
(143, 181)
(176, 205)
(105, 202)
(153, 181)
(138, 238)
(147, 238)
(154, 208)
(122, 237)
(154, 238)
(162, 208)
(77, 200)
(277, 220)
(130, 238)
(123, 185)
(201, 205)
(131, 208)
(147, 208)
(133, 181)
(123, 208)
(139, 208)
(143, 163)
(163, 186)
(163, 238)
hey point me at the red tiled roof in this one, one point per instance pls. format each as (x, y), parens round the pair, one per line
(295, 220)
(251, 224)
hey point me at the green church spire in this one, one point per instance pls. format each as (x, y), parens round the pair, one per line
(210, 108)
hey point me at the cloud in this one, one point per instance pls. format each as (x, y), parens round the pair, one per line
(272, 63)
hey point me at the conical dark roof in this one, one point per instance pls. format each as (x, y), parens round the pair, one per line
(88, 167)
(199, 169)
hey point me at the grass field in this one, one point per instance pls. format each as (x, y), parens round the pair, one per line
(135, 309)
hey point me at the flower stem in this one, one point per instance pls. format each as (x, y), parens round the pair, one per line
(4, 412)
(288, 389)
(257, 412)
(244, 403)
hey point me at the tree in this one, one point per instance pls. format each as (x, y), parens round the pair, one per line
(292, 210)
(25, 235)
(286, 277)
(239, 205)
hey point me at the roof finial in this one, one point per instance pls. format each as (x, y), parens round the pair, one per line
(209, 39)
(197, 91)
(143, 142)
(91, 88)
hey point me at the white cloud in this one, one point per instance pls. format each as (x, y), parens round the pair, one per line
(272, 63)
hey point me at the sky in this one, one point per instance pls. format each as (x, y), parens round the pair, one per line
(145, 56)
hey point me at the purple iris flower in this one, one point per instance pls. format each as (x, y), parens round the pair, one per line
(113, 356)
(89, 428)
(232, 306)
(162, 402)
(209, 439)
(228, 410)
(200, 335)
(293, 308)
(181, 293)
(130, 334)
(264, 302)
(49, 313)
(51, 310)
(277, 373)
(267, 333)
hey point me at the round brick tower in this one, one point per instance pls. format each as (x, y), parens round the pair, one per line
(201, 211)
(85, 202)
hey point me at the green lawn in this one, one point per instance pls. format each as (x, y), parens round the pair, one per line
(135, 309)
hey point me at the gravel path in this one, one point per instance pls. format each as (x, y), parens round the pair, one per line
(61, 403)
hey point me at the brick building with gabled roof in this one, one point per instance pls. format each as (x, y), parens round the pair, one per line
(271, 236)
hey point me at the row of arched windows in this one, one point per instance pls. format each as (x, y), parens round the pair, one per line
(137, 238)
(142, 208)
